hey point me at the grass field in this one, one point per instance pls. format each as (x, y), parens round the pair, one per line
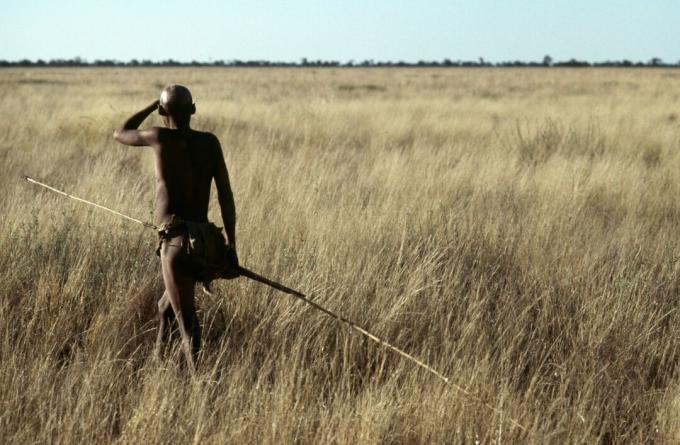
(517, 229)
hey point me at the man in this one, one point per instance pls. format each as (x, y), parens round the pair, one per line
(191, 248)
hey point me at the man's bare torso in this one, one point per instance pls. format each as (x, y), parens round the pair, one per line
(185, 166)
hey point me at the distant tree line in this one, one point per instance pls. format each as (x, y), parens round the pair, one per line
(304, 62)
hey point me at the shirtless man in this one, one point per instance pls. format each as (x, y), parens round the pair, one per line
(186, 163)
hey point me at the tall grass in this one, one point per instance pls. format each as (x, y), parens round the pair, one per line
(518, 229)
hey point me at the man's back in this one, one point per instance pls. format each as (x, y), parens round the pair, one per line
(185, 167)
(186, 161)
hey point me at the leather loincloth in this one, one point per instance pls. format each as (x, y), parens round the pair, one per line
(208, 254)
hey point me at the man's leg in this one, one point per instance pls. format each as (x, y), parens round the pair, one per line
(179, 291)
(165, 318)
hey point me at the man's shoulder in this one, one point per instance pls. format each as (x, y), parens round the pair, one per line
(169, 134)
(209, 141)
(207, 136)
(160, 133)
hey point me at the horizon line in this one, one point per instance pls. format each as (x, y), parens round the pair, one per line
(547, 61)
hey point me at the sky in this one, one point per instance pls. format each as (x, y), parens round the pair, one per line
(592, 30)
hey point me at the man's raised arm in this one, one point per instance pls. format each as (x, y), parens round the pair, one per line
(225, 197)
(129, 134)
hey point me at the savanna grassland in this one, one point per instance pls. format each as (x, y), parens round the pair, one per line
(517, 229)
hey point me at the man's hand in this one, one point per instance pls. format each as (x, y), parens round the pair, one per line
(232, 257)
(231, 271)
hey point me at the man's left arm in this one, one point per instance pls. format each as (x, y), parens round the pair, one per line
(129, 134)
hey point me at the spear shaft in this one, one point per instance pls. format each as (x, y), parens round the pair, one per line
(257, 277)
(145, 224)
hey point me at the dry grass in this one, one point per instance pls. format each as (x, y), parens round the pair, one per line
(516, 228)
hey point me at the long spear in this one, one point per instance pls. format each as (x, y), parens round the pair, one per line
(299, 295)
(254, 276)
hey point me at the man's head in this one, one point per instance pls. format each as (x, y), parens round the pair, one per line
(176, 102)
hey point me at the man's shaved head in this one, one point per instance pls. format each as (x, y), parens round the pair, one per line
(176, 101)
(176, 98)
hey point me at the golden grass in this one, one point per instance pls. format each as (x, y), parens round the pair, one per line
(518, 229)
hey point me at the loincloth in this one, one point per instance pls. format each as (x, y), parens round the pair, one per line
(208, 255)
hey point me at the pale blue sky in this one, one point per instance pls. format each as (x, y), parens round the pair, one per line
(592, 30)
